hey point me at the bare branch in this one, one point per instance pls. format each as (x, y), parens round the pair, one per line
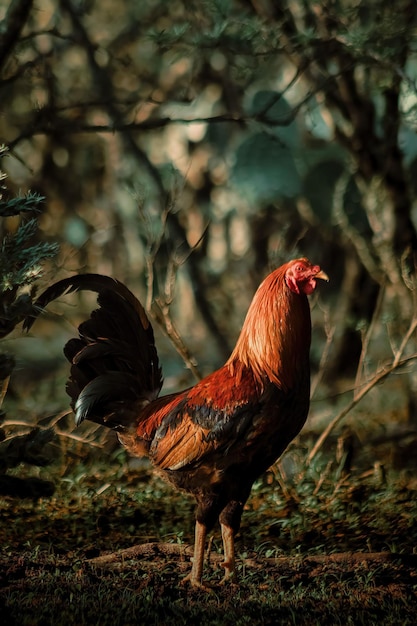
(367, 338)
(12, 26)
(161, 311)
(162, 314)
(330, 331)
(362, 389)
(378, 377)
(105, 87)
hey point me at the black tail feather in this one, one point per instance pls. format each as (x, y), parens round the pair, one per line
(114, 363)
(85, 282)
(100, 401)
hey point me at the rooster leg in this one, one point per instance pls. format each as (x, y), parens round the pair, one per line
(194, 577)
(228, 537)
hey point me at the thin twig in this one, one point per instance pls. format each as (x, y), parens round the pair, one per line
(358, 396)
(160, 308)
(368, 335)
(162, 314)
(78, 438)
(330, 331)
(4, 387)
(12, 25)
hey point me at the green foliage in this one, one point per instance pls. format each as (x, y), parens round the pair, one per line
(26, 204)
(265, 170)
(265, 167)
(319, 187)
(21, 259)
(272, 109)
(217, 25)
(21, 256)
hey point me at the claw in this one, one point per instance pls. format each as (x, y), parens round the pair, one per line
(229, 572)
(196, 584)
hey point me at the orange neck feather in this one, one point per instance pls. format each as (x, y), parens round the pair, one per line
(275, 338)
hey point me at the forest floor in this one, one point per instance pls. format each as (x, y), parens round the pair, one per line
(326, 549)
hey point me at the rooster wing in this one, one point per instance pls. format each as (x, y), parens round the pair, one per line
(196, 425)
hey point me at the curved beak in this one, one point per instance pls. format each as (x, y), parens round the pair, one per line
(322, 275)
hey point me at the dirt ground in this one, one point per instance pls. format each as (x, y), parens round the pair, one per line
(113, 548)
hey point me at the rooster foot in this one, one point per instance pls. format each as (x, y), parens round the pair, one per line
(195, 583)
(229, 572)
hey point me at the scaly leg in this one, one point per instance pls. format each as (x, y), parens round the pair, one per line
(194, 577)
(228, 537)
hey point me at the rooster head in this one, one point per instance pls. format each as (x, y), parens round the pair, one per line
(301, 276)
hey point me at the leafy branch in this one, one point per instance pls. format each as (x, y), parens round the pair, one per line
(20, 262)
(21, 258)
(20, 204)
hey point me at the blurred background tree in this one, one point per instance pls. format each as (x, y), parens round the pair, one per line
(196, 145)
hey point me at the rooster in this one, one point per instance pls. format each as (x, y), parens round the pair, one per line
(216, 438)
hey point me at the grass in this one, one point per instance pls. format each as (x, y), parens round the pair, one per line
(55, 592)
(286, 572)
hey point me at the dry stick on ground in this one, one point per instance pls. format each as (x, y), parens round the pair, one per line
(151, 551)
